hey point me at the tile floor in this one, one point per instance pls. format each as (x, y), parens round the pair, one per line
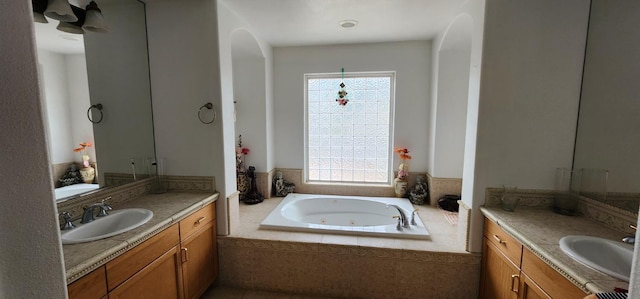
(222, 292)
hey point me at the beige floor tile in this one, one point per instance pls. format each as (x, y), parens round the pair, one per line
(222, 292)
(339, 239)
(265, 295)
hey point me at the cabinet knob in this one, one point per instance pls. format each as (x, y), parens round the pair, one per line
(500, 241)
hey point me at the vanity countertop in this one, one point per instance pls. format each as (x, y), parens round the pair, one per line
(168, 209)
(539, 229)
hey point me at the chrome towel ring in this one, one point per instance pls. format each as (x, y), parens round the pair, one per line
(99, 108)
(210, 107)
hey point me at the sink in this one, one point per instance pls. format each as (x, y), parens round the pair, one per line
(611, 257)
(117, 222)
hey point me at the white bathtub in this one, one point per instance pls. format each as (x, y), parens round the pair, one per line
(75, 189)
(352, 215)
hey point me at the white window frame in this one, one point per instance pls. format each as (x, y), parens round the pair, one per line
(392, 78)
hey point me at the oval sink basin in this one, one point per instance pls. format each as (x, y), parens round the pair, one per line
(608, 256)
(115, 223)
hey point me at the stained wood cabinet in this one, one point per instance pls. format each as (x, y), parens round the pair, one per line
(199, 251)
(510, 271)
(178, 262)
(159, 280)
(91, 286)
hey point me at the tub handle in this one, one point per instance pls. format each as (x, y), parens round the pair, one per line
(413, 217)
(399, 226)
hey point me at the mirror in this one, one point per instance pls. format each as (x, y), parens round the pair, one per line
(111, 69)
(606, 158)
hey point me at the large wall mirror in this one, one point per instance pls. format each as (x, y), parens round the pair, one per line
(607, 152)
(78, 71)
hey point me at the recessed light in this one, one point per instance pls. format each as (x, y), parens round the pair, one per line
(348, 23)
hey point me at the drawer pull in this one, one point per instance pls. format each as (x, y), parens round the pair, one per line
(200, 220)
(513, 278)
(500, 241)
(185, 255)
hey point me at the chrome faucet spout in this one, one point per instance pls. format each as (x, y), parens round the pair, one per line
(403, 217)
(87, 216)
(629, 240)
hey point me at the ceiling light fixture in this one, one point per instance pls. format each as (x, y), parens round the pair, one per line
(348, 23)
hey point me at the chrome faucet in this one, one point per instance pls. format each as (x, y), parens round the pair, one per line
(630, 239)
(402, 221)
(413, 217)
(67, 221)
(87, 216)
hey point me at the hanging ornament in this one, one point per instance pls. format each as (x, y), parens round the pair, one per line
(342, 93)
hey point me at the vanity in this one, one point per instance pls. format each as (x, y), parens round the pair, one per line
(173, 255)
(522, 256)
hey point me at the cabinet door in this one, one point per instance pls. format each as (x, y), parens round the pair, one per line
(500, 277)
(530, 290)
(550, 280)
(91, 286)
(159, 280)
(199, 261)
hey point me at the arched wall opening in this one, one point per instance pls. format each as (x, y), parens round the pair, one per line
(249, 95)
(451, 98)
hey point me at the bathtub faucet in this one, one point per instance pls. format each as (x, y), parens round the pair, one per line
(403, 222)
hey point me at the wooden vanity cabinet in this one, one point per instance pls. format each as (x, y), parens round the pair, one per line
(158, 280)
(90, 286)
(178, 262)
(510, 271)
(501, 256)
(199, 251)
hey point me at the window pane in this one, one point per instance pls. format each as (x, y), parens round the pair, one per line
(349, 143)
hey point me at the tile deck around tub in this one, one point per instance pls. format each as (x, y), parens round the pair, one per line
(444, 236)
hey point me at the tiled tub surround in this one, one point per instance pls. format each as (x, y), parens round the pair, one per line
(539, 229)
(348, 266)
(438, 187)
(168, 209)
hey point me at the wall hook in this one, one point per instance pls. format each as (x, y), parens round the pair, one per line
(99, 108)
(210, 107)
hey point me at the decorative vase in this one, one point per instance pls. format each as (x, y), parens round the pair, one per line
(88, 174)
(243, 184)
(400, 186)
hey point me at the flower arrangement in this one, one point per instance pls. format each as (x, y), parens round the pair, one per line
(403, 169)
(240, 153)
(83, 150)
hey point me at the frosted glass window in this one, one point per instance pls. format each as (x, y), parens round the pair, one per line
(350, 143)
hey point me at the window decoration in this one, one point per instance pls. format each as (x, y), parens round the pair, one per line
(342, 93)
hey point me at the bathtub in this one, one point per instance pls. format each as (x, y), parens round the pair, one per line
(71, 190)
(351, 215)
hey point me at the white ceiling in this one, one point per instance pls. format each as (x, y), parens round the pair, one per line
(316, 22)
(311, 22)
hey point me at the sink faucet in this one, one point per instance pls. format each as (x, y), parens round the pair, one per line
(87, 216)
(402, 221)
(67, 221)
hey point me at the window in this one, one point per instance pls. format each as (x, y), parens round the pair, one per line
(350, 143)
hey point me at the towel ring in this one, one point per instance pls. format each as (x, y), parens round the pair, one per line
(99, 108)
(210, 107)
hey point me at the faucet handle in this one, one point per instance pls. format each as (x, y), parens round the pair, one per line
(399, 225)
(413, 217)
(67, 221)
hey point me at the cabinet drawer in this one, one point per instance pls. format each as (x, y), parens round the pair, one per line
(505, 243)
(92, 285)
(197, 220)
(126, 265)
(552, 282)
